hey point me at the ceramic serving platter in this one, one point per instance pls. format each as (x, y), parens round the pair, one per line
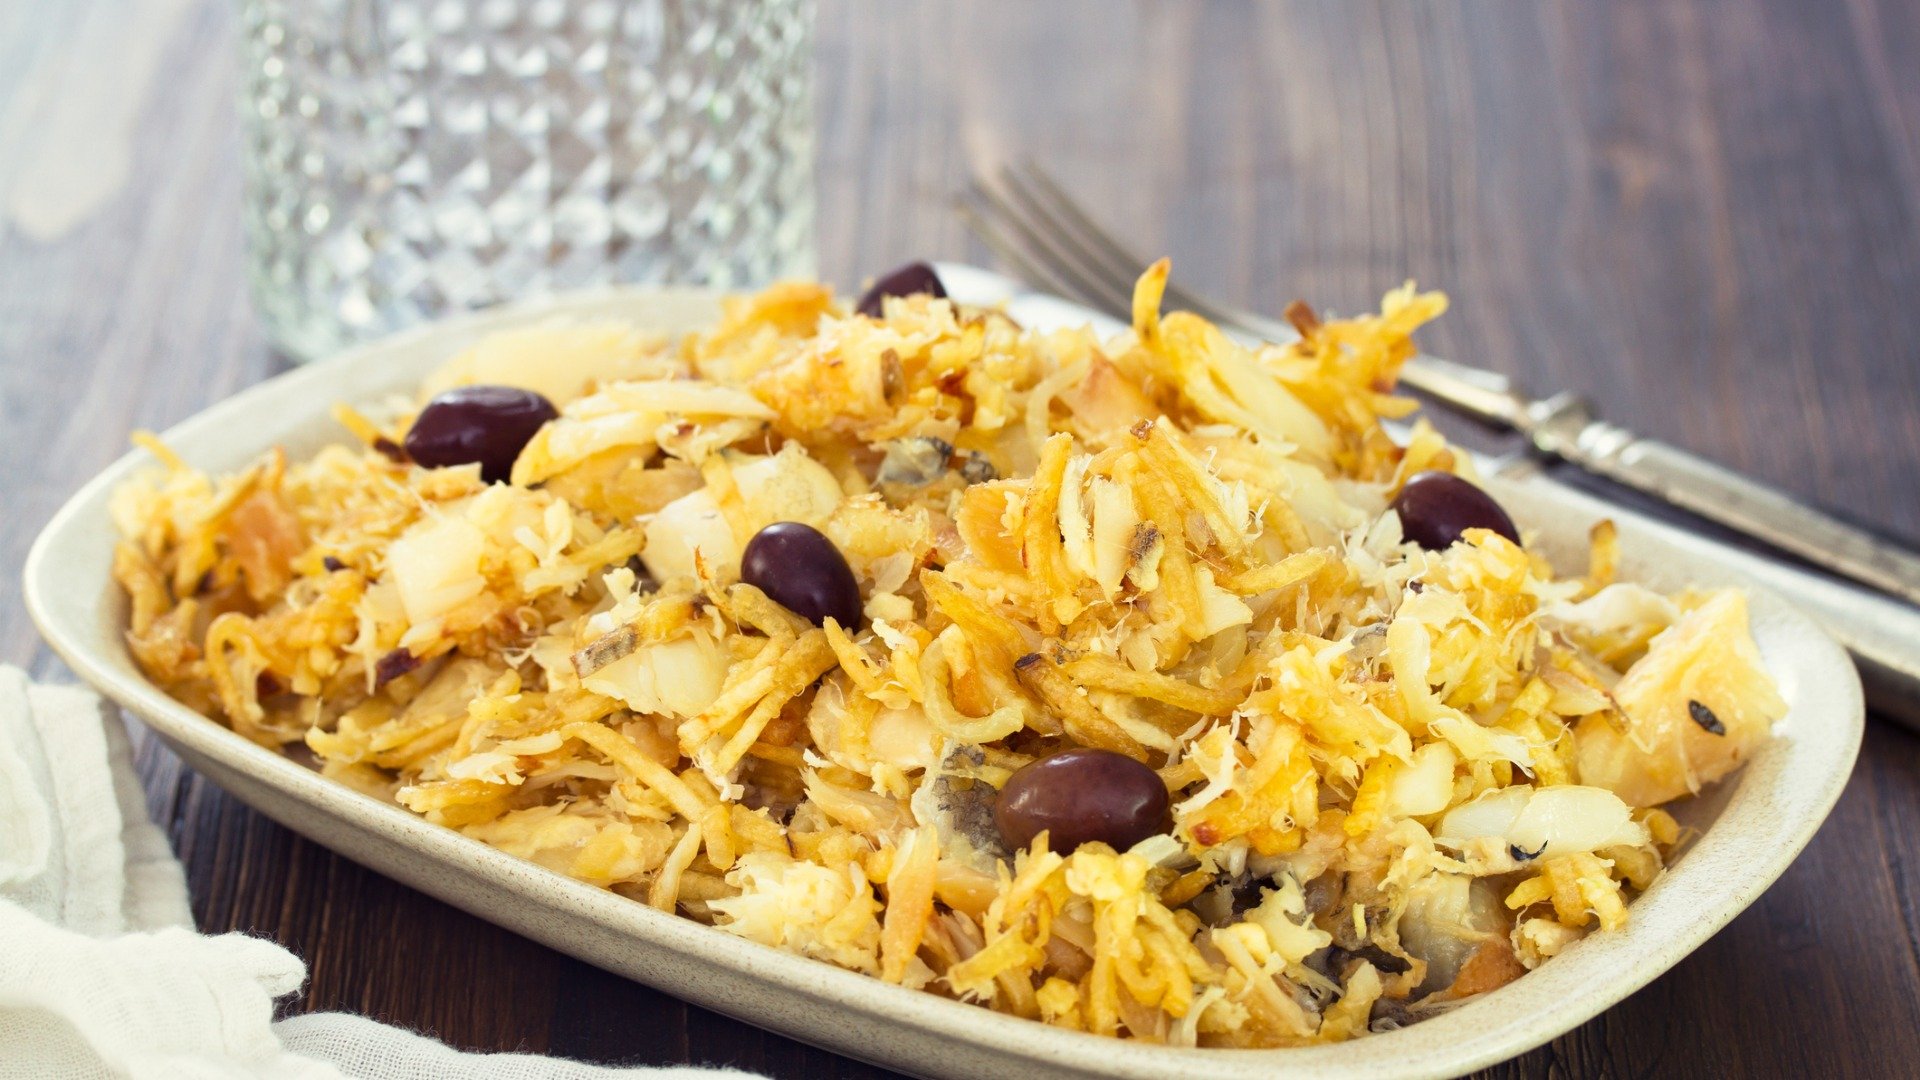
(1752, 827)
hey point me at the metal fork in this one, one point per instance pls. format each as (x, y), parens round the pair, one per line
(1025, 218)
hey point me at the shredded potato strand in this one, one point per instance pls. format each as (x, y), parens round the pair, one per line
(1397, 777)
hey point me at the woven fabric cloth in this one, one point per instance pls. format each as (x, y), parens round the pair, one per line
(102, 973)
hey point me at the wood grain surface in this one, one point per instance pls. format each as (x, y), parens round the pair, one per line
(1705, 215)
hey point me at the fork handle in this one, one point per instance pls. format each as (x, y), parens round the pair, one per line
(1564, 427)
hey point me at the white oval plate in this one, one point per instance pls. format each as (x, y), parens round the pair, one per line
(1753, 826)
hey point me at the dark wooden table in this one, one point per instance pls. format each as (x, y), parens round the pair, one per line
(1705, 215)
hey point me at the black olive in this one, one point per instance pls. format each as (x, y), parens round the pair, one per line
(1081, 795)
(1436, 507)
(803, 572)
(915, 277)
(487, 425)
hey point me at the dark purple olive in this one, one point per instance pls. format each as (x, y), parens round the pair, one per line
(1436, 507)
(803, 572)
(1078, 796)
(915, 277)
(487, 425)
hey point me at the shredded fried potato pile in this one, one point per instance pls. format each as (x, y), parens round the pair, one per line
(1399, 777)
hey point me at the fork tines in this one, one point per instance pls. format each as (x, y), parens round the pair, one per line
(1026, 218)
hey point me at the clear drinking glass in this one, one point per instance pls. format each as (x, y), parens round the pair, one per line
(406, 158)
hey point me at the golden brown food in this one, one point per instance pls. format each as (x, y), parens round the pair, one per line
(1396, 776)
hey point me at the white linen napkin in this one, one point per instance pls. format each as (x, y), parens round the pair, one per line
(101, 971)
